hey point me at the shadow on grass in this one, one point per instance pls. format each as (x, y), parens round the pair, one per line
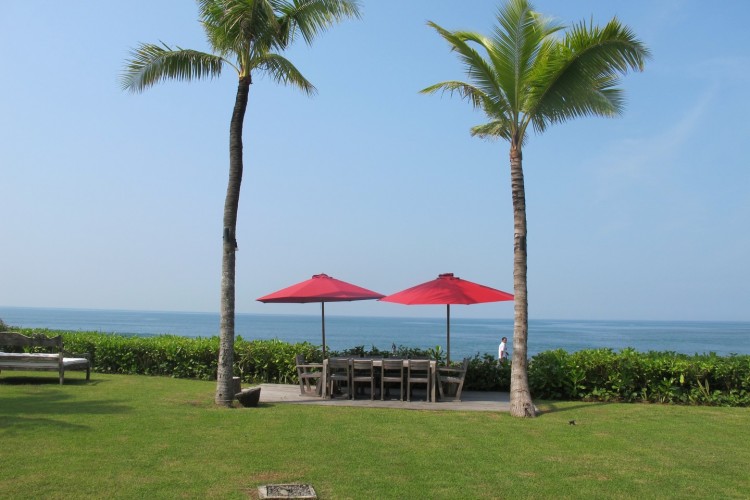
(19, 425)
(26, 412)
(52, 400)
(546, 407)
(236, 405)
(41, 380)
(58, 404)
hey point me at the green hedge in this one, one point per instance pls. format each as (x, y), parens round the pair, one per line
(629, 375)
(256, 361)
(486, 374)
(588, 375)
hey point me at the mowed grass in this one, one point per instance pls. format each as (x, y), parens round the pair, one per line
(151, 437)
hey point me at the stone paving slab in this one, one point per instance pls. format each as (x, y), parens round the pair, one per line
(470, 400)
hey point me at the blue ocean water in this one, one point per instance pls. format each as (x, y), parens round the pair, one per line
(468, 336)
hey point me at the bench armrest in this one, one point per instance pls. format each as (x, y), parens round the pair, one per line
(86, 355)
(446, 369)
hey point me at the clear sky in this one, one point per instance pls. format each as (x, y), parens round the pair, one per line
(114, 200)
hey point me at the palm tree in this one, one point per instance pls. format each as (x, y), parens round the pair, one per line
(245, 35)
(524, 75)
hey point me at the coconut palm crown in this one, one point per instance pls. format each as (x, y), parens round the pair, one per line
(533, 72)
(246, 35)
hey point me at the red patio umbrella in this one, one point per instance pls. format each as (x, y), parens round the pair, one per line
(321, 288)
(448, 289)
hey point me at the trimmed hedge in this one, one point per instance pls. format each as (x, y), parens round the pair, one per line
(588, 375)
(486, 374)
(256, 361)
(629, 375)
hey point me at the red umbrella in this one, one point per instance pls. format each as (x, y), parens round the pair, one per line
(448, 289)
(321, 288)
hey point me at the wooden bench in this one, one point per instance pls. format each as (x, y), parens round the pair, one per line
(38, 361)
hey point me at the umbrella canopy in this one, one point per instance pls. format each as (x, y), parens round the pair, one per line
(448, 289)
(321, 288)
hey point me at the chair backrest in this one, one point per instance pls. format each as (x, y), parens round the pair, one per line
(372, 358)
(33, 340)
(454, 377)
(393, 364)
(338, 363)
(362, 367)
(464, 366)
(362, 364)
(419, 366)
(451, 372)
(393, 369)
(299, 359)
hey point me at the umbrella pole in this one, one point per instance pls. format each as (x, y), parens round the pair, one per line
(448, 334)
(323, 325)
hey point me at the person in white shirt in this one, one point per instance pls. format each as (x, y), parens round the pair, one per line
(502, 351)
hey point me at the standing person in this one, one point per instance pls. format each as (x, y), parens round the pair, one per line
(502, 351)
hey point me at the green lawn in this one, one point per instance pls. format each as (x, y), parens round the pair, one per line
(151, 437)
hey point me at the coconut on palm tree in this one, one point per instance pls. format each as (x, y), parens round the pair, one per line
(247, 36)
(532, 72)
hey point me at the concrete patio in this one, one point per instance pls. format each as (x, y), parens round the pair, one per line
(470, 400)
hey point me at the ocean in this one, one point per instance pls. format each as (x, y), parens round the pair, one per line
(468, 336)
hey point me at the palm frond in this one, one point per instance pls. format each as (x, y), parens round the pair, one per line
(517, 37)
(492, 130)
(311, 17)
(478, 69)
(582, 72)
(281, 70)
(465, 90)
(151, 64)
(232, 26)
(247, 30)
(613, 48)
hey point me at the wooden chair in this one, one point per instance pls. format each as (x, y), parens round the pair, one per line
(393, 372)
(307, 372)
(362, 371)
(452, 377)
(418, 373)
(339, 371)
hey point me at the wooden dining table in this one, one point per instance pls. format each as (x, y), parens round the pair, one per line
(378, 363)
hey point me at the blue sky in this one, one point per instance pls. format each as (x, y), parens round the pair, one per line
(114, 200)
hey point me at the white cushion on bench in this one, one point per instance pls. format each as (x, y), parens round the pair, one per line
(40, 355)
(37, 359)
(75, 361)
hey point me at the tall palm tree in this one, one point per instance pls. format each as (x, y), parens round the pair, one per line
(524, 75)
(245, 35)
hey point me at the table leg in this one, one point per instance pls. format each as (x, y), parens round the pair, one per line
(324, 380)
(433, 378)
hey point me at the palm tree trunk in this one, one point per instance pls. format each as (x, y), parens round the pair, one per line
(224, 387)
(520, 396)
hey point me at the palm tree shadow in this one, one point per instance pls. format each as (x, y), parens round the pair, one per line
(42, 403)
(28, 410)
(551, 407)
(12, 425)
